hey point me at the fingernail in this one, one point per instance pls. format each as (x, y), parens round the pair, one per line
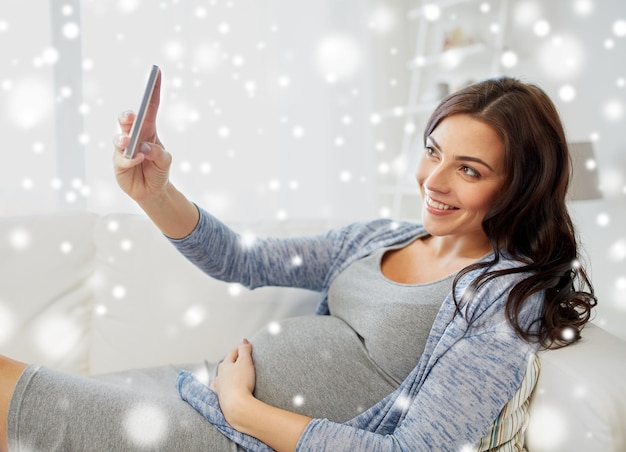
(145, 148)
(126, 114)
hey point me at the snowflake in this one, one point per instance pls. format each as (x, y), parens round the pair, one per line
(613, 110)
(66, 247)
(274, 328)
(509, 59)
(603, 219)
(71, 30)
(403, 403)
(19, 239)
(298, 400)
(146, 425)
(382, 19)
(338, 56)
(431, 12)
(298, 132)
(118, 292)
(274, 185)
(234, 290)
(127, 6)
(568, 334)
(27, 104)
(248, 239)
(619, 28)
(547, 428)
(541, 28)
(194, 316)
(345, 176)
(113, 225)
(583, 7)
(375, 118)
(126, 245)
(562, 57)
(56, 335)
(223, 28)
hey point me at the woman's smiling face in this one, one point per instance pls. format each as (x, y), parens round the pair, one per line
(459, 175)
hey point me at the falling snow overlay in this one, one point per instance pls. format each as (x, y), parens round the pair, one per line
(271, 118)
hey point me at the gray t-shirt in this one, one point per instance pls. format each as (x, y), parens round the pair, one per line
(370, 342)
(392, 319)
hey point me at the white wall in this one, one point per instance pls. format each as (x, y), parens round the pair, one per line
(245, 96)
(255, 91)
(26, 110)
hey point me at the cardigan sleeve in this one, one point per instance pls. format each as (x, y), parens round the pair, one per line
(223, 254)
(308, 262)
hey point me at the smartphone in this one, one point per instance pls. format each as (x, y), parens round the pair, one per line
(135, 131)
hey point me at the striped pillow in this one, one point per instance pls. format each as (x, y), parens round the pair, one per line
(507, 431)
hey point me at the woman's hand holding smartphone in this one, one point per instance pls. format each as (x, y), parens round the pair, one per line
(145, 176)
(141, 164)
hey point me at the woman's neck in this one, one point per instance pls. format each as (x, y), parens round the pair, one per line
(457, 248)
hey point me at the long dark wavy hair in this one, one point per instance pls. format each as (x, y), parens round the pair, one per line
(529, 220)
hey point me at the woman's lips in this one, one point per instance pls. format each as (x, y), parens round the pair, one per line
(438, 205)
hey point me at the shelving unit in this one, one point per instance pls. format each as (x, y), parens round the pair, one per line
(456, 41)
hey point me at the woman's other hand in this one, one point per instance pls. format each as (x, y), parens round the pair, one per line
(235, 381)
(234, 385)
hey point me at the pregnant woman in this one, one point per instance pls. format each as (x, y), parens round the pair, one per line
(426, 334)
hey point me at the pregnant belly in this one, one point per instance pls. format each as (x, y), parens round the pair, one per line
(316, 366)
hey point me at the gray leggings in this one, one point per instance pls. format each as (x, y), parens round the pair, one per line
(131, 411)
(318, 361)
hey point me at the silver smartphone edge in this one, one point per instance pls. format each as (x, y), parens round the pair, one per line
(129, 152)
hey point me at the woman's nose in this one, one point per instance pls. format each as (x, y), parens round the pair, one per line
(438, 179)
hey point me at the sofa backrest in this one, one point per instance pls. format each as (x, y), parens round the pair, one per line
(152, 306)
(46, 297)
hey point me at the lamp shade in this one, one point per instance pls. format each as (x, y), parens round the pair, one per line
(585, 183)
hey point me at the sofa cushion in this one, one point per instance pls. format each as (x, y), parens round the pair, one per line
(154, 307)
(45, 292)
(579, 403)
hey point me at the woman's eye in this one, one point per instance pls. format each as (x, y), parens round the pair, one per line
(430, 151)
(471, 172)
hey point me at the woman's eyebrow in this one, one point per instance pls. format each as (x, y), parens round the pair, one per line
(462, 158)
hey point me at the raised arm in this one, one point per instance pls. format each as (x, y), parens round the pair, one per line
(145, 178)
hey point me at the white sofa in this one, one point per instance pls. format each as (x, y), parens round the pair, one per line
(91, 294)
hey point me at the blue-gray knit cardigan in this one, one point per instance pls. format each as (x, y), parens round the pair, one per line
(472, 364)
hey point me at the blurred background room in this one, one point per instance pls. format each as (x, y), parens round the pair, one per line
(279, 110)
